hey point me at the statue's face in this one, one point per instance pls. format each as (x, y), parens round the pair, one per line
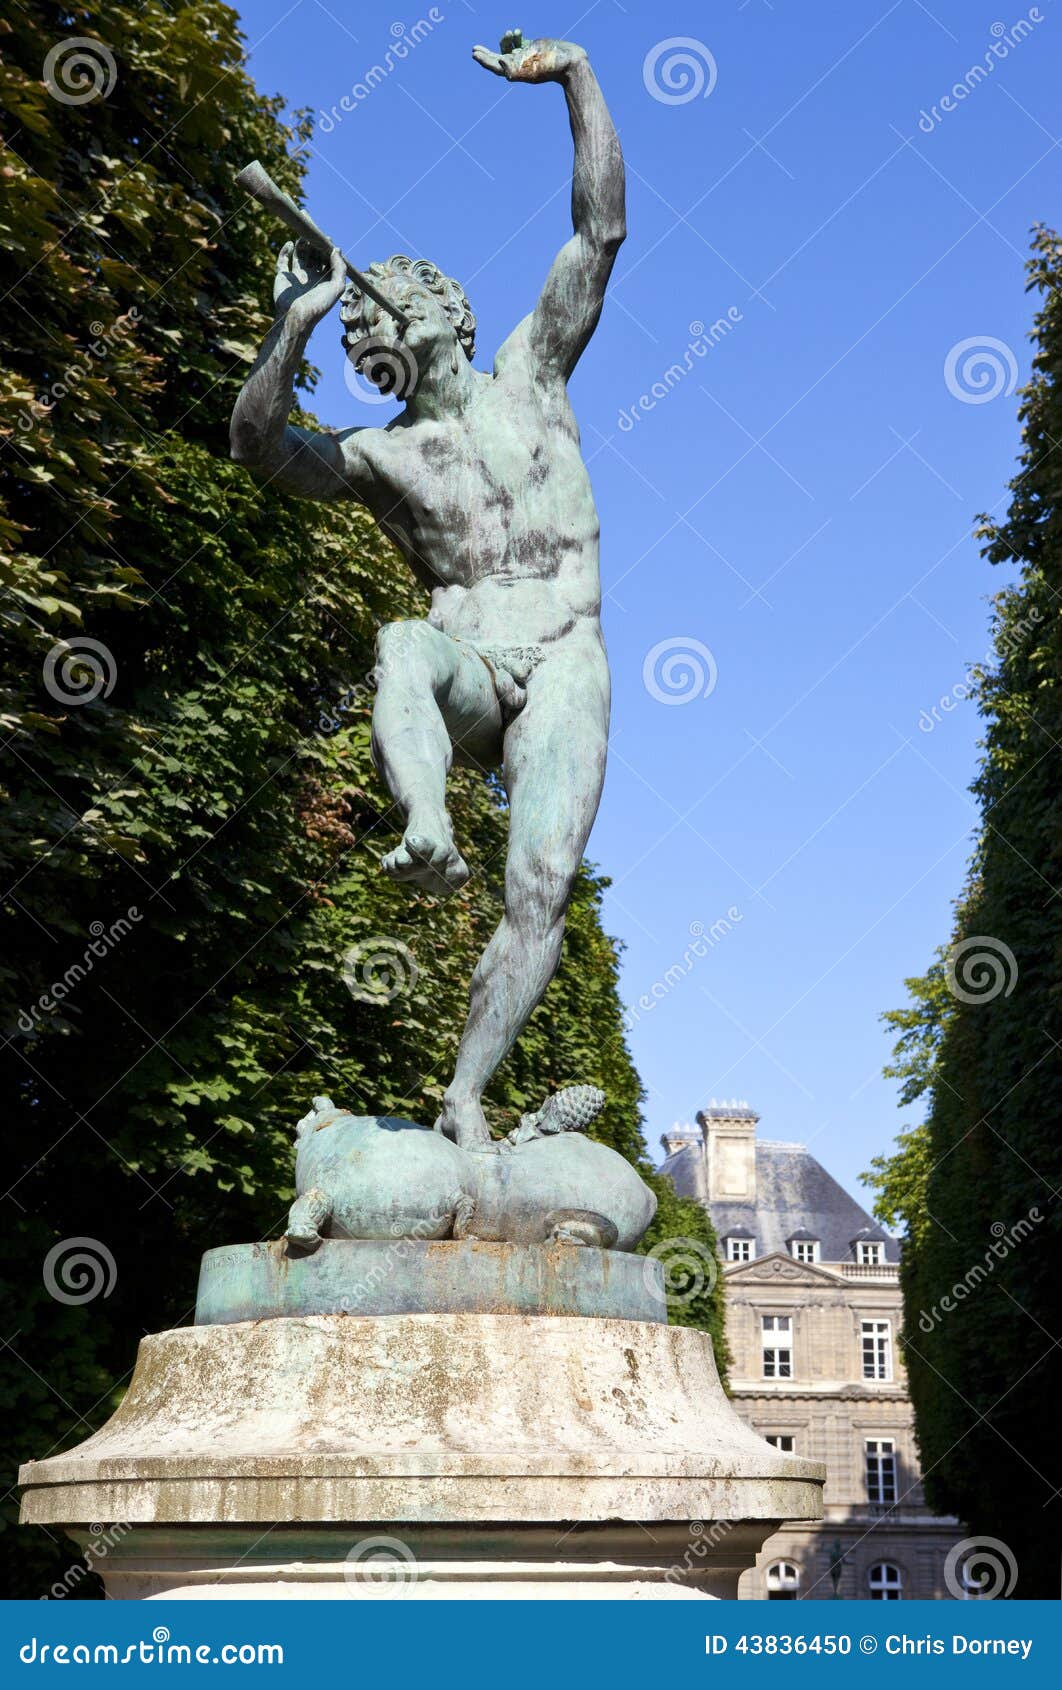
(429, 326)
(440, 330)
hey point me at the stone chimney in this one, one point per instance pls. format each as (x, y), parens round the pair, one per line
(730, 1150)
(680, 1137)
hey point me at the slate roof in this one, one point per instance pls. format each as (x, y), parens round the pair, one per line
(795, 1195)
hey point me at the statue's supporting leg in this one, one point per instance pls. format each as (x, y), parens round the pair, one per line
(431, 693)
(554, 768)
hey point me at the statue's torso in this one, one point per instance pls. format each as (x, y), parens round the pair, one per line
(494, 510)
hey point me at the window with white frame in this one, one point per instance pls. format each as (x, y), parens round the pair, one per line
(885, 1581)
(738, 1249)
(877, 1349)
(777, 1346)
(805, 1249)
(784, 1441)
(783, 1581)
(870, 1253)
(881, 1470)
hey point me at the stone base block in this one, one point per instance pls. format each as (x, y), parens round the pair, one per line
(502, 1454)
(685, 1561)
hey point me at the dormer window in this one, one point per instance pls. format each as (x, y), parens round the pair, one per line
(868, 1248)
(803, 1246)
(738, 1247)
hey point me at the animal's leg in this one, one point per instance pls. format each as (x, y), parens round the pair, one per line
(309, 1213)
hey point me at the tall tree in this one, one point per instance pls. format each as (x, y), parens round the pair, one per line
(977, 1185)
(197, 936)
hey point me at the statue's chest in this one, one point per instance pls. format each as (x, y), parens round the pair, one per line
(478, 476)
(507, 449)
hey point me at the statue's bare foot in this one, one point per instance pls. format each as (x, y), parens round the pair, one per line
(428, 857)
(463, 1120)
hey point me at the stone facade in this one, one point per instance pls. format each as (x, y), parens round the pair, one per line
(816, 1361)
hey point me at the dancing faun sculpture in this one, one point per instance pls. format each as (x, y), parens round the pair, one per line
(481, 483)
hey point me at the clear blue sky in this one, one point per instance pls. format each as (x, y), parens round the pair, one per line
(801, 502)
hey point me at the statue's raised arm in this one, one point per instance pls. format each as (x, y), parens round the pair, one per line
(570, 304)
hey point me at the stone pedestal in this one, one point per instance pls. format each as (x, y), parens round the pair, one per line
(431, 1455)
(415, 1276)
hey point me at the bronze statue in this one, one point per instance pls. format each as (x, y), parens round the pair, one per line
(481, 483)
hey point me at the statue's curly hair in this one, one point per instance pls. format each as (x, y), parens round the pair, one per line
(449, 293)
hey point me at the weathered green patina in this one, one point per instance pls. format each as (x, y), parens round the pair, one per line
(415, 1276)
(378, 1177)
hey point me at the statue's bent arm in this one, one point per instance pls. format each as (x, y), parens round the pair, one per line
(311, 463)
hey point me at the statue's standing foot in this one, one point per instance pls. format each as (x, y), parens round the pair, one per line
(462, 1119)
(428, 857)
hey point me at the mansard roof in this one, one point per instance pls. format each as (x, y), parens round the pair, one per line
(795, 1196)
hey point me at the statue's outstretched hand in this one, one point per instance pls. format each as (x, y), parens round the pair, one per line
(530, 61)
(307, 283)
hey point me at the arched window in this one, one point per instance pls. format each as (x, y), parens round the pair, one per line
(783, 1581)
(886, 1582)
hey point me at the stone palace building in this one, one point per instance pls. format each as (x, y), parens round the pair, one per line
(813, 1321)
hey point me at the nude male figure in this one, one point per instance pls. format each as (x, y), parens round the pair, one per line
(481, 483)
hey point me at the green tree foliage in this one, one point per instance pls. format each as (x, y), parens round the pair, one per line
(189, 846)
(981, 1307)
(900, 1179)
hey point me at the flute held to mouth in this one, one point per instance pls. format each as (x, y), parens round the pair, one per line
(255, 180)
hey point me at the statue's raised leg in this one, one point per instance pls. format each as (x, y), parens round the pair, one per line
(432, 694)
